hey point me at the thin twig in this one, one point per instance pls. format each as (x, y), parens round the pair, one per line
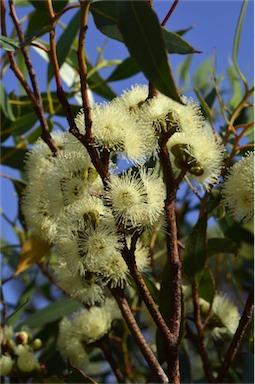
(38, 107)
(169, 13)
(103, 345)
(118, 293)
(152, 307)
(200, 343)
(238, 337)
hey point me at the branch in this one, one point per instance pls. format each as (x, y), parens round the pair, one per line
(201, 346)
(152, 307)
(102, 344)
(118, 293)
(173, 260)
(36, 96)
(238, 337)
(169, 13)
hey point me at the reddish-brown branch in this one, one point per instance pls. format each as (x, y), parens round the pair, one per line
(152, 307)
(173, 260)
(238, 337)
(200, 343)
(103, 345)
(169, 13)
(138, 336)
(38, 106)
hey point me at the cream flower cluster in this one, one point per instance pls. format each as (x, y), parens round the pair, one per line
(224, 316)
(238, 188)
(85, 327)
(66, 203)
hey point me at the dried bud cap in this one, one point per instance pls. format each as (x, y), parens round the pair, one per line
(21, 338)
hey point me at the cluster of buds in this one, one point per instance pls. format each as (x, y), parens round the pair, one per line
(18, 354)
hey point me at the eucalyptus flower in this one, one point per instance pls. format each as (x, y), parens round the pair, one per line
(85, 327)
(224, 317)
(238, 188)
(199, 153)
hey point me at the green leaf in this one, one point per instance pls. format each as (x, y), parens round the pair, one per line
(201, 77)
(23, 124)
(183, 70)
(206, 287)
(205, 108)
(4, 103)
(105, 17)
(64, 42)
(37, 19)
(195, 252)
(221, 245)
(176, 44)
(9, 44)
(142, 35)
(13, 157)
(237, 39)
(124, 70)
(54, 311)
(58, 5)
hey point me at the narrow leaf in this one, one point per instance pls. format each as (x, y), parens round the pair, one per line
(124, 70)
(53, 312)
(206, 287)
(105, 18)
(4, 103)
(176, 44)
(32, 251)
(142, 35)
(13, 157)
(9, 44)
(221, 245)
(237, 39)
(194, 256)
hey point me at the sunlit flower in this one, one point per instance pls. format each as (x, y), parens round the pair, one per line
(197, 153)
(70, 344)
(69, 181)
(167, 115)
(84, 328)
(41, 158)
(85, 288)
(35, 208)
(238, 188)
(134, 98)
(142, 256)
(136, 200)
(224, 316)
(116, 129)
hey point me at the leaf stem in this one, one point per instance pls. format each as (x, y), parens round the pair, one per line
(118, 293)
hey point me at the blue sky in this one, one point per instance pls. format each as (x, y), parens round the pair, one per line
(214, 24)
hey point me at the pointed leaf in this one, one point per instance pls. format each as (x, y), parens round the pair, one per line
(194, 255)
(126, 69)
(142, 35)
(176, 44)
(32, 251)
(206, 287)
(221, 245)
(53, 312)
(9, 44)
(105, 18)
(13, 157)
(4, 103)
(237, 39)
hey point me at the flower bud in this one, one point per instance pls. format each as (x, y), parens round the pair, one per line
(6, 364)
